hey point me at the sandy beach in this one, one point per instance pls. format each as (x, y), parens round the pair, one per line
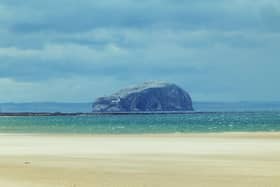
(177, 160)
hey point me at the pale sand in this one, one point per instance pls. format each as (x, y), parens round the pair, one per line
(210, 160)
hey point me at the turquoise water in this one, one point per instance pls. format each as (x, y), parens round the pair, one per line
(135, 124)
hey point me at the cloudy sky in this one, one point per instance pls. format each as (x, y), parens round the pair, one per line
(69, 50)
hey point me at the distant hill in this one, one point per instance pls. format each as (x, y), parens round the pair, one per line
(87, 107)
(45, 107)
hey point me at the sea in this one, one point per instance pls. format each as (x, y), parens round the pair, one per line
(208, 117)
(200, 122)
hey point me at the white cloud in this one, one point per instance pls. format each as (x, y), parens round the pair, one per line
(64, 52)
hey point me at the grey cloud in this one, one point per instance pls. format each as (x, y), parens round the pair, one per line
(35, 65)
(270, 15)
(81, 17)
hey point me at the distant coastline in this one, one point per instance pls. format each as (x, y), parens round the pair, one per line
(91, 113)
(114, 113)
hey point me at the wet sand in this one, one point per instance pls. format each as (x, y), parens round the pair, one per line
(218, 160)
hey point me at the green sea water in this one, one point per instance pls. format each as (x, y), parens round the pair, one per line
(137, 124)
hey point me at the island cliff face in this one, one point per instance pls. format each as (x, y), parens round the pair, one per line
(148, 97)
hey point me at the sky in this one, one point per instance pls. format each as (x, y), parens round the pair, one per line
(76, 51)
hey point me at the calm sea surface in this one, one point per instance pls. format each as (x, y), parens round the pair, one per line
(135, 124)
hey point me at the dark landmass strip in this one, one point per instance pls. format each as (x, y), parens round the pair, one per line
(92, 113)
(26, 114)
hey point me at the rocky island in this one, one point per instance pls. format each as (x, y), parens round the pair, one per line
(148, 97)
